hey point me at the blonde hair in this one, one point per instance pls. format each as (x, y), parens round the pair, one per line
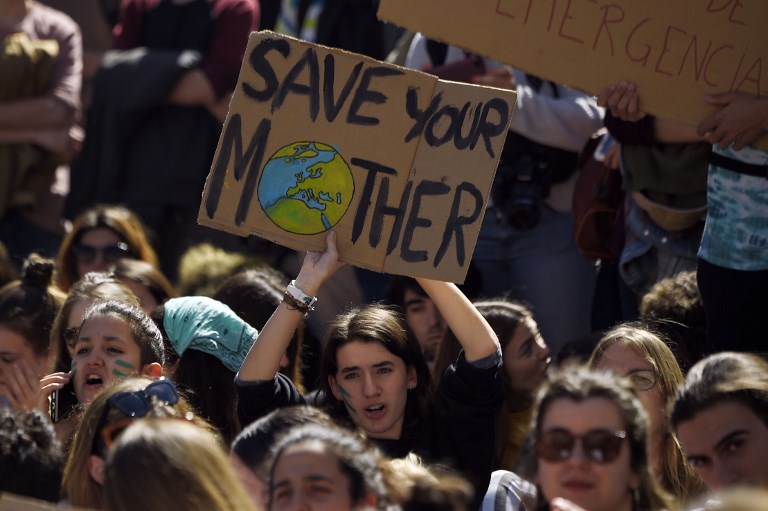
(161, 463)
(676, 475)
(77, 484)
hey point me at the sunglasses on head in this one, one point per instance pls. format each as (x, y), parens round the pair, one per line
(599, 445)
(111, 432)
(111, 254)
(137, 404)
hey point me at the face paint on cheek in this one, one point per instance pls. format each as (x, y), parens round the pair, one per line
(122, 363)
(119, 374)
(345, 396)
(73, 368)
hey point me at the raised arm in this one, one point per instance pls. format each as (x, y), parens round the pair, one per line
(263, 359)
(472, 330)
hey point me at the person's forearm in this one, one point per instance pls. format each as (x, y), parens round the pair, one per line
(45, 112)
(472, 330)
(263, 359)
(673, 132)
(193, 89)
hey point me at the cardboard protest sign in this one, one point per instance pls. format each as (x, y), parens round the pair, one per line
(677, 52)
(11, 502)
(397, 162)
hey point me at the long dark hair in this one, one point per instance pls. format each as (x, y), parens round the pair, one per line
(385, 325)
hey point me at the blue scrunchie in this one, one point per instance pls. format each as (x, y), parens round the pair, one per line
(207, 325)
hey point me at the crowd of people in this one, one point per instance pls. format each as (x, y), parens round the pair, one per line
(148, 362)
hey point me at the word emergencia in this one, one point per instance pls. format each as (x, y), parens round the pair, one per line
(397, 162)
(677, 52)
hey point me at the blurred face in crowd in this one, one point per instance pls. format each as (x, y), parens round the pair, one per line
(727, 444)
(147, 300)
(625, 360)
(17, 358)
(526, 357)
(373, 384)
(424, 321)
(582, 456)
(104, 351)
(98, 249)
(306, 477)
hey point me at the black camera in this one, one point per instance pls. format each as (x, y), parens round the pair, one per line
(527, 170)
(519, 189)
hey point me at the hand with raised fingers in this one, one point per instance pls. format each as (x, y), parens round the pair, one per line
(26, 391)
(319, 266)
(741, 121)
(622, 100)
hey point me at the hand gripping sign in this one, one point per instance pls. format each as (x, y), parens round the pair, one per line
(397, 162)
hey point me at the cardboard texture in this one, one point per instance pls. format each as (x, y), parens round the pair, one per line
(677, 52)
(11, 502)
(397, 162)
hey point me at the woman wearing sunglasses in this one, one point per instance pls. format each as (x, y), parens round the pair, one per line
(590, 446)
(633, 351)
(105, 418)
(101, 236)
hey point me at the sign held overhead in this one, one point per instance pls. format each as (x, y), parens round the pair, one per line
(397, 162)
(677, 52)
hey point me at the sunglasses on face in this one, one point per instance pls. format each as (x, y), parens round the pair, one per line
(642, 379)
(137, 404)
(86, 254)
(599, 445)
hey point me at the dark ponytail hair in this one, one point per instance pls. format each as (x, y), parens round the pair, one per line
(29, 306)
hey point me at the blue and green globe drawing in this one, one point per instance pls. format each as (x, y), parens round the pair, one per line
(306, 187)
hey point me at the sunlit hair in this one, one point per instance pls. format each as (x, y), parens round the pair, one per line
(78, 486)
(413, 486)
(677, 476)
(723, 377)
(384, 325)
(743, 498)
(118, 219)
(161, 463)
(358, 460)
(29, 306)
(579, 384)
(143, 330)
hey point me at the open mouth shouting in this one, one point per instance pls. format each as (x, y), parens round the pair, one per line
(375, 412)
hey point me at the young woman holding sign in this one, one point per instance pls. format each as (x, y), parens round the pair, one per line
(373, 374)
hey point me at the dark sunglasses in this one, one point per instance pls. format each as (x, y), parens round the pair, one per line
(136, 404)
(599, 445)
(111, 254)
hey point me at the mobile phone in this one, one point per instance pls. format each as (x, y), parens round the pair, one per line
(461, 70)
(54, 406)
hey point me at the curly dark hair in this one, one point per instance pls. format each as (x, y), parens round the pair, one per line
(31, 458)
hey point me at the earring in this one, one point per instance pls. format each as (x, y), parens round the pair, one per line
(636, 498)
(410, 386)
